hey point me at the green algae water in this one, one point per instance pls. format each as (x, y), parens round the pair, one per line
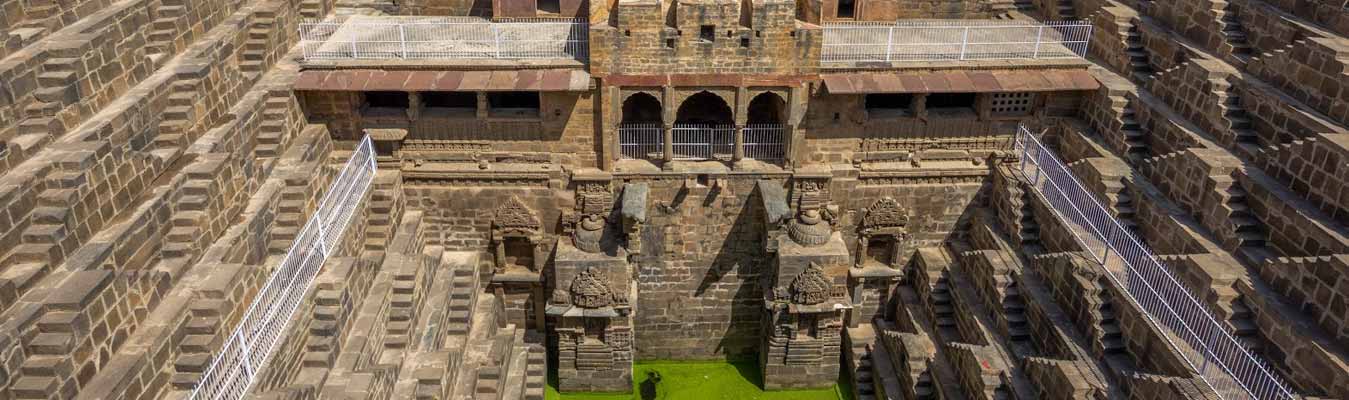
(705, 381)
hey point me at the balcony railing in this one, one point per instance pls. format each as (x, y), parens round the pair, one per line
(646, 141)
(1221, 360)
(444, 38)
(956, 40)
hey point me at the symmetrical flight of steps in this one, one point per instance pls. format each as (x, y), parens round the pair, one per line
(159, 43)
(1014, 310)
(1249, 231)
(1235, 33)
(943, 311)
(863, 374)
(1244, 328)
(1125, 210)
(1139, 67)
(1110, 339)
(1136, 147)
(1244, 135)
(1065, 9)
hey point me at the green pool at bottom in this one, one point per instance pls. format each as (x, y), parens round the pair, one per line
(707, 381)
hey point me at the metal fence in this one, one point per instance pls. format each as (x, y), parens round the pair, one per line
(642, 141)
(954, 40)
(764, 141)
(445, 39)
(703, 141)
(1221, 360)
(248, 348)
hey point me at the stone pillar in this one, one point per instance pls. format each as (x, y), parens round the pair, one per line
(667, 149)
(793, 138)
(414, 105)
(482, 105)
(739, 153)
(668, 117)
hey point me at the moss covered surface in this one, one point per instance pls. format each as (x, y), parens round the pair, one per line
(681, 380)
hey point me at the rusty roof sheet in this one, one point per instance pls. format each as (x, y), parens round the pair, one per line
(961, 81)
(413, 81)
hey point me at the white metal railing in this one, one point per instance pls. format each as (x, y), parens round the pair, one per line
(642, 141)
(248, 348)
(764, 141)
(703, 141)
(1221, 360)
(954, 40)
(448, 38)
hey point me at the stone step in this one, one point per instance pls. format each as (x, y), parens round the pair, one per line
(34, 387)
(56, 366)
(52, 343)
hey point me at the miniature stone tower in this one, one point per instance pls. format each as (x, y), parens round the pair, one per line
(807, 301)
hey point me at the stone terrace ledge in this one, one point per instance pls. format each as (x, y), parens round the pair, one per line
(420, 42)
(945, 44)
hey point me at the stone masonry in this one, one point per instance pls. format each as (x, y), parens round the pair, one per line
(690, 180)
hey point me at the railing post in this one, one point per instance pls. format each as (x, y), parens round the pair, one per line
(403, 40)
(496, 40)
(889, 43)
(964, 41)
(1038, 35)
(354, 53)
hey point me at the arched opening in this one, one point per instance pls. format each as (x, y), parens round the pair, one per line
(767, 108)
(641, 108)
(704, 128)
(765, 129)
(704, 108)
(640, 133)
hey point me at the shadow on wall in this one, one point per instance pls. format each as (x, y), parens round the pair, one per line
(742, 253)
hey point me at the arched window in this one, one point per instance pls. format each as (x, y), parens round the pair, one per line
(765, 127)
(640, 134)
(704, 128)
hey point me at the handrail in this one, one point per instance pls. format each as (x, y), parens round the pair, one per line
(250, 346)
(1222, 362)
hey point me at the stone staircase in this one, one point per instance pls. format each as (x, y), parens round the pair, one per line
(864, 378)
(463, 290)
(164, 29)
(1243, 326)
(1125, 210)
(311, 9)
(1111, 339)
(1139, 67)
(191, 213)
(1135, 145)
(272, 138)
(1014, 310)
(943, 311)
(1235, 33)
(1066, 10)
(1030, 229)
(536, 372)
(1244, 137)
(254, 58)
(1248, 230)
(177, 118)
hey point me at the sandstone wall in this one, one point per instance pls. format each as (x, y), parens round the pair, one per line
(649, 37)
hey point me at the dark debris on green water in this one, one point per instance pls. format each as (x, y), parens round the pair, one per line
(703, 381)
